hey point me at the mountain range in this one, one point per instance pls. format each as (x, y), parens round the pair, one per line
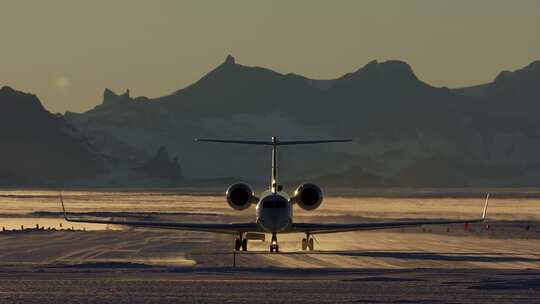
(405, 131)
(38, 147)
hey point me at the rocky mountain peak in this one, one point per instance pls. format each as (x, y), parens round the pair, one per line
(16, 102)
(522, 82)
(110, 97)
(398, 67)
(534, 66)
(391, 69)
(388, 72)
(230, 60)
(6, 90)
(162, 166)
(531, 70)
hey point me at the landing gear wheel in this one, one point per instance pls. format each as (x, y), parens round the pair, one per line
(237, 244)
(304, 244)
(310, 244)
(274, 245)
(244, 244)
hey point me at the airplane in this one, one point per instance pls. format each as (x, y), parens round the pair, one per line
(274, 209)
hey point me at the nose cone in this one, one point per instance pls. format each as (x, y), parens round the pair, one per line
(274, 213)
(275, 220)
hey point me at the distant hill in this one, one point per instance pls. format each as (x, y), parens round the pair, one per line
(37, 147)
(406, 131)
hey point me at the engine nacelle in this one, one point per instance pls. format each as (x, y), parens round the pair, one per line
(240, 196)
(308, 196)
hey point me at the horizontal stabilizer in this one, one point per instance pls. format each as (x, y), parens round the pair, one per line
(274, 142)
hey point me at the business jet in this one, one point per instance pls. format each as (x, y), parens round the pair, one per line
(274, 209)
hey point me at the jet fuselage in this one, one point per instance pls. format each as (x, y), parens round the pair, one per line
(274, 212)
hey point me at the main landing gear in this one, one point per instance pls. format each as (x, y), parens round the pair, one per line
(307, 243)
(274, 245)
(240, 243)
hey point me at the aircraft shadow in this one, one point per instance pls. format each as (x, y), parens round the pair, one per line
(436, 256)
(492, 257)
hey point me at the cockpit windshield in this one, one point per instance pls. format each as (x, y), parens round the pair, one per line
(274, 204)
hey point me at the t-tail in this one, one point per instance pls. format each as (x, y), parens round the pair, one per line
(274, 143)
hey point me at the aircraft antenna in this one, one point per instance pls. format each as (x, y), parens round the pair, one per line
(274, 183)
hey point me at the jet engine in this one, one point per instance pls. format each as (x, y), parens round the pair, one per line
(240, 196)
(308, 196)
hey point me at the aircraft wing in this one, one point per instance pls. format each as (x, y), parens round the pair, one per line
(234, 228)
(334, 228)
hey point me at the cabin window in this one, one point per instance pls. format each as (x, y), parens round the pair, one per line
(274, 204)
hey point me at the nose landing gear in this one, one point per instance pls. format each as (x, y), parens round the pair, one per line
(307, 243)
(274, 245)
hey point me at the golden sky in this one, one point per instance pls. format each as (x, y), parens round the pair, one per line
(68, 51)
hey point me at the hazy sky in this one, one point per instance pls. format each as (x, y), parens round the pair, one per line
(68, 51)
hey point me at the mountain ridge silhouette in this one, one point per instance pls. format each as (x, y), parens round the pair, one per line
(406, 131)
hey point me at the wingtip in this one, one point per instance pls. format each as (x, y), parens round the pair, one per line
(484, 214)
(63, 207)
